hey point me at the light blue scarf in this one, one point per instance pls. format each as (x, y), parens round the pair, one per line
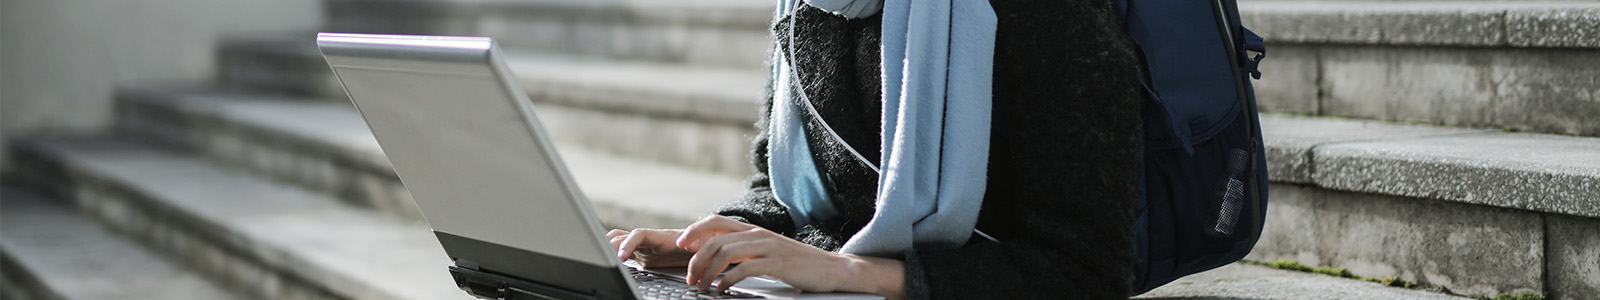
(938, 58)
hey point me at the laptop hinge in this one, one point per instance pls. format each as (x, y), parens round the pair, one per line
(488, 285)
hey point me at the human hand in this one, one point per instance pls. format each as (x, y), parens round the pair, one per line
(652, 248)
(719, 242)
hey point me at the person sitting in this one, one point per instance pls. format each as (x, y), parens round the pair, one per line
(1052, 214)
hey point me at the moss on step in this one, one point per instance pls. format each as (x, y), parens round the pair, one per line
(1520, 296)
(1392, 281)
(1291, 265)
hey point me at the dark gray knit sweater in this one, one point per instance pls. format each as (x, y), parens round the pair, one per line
(1064, 153)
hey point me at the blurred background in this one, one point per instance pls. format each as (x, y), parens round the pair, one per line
(201, 149)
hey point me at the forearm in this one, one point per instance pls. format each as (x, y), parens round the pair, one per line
(881, 276)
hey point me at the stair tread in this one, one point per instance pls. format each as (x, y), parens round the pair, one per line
(350, 250)
(1242, 281)
(1450, 23)
(1538, 172)
(75, 258)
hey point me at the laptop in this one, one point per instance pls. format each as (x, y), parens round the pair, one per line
(465, 140)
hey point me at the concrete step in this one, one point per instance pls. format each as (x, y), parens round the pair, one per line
(49, 251)
(665, 112)
(273, 240)
(1526, 66)
(1242, 281)
(281, 63)
(697, 117)
(328, 148)
(728, 33)
(1474, 212)
(1534, 172)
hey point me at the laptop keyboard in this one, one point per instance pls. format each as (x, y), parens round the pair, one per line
(657, 286)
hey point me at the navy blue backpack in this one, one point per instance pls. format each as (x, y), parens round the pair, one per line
(1204, 182)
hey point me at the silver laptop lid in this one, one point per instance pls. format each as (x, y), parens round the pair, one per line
(464, 139)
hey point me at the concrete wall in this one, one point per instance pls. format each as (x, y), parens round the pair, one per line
(59, 59)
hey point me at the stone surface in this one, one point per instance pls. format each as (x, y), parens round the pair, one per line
(1537, 90)
(700, 32)
(1469, 24)
(1290, 76)
(652, 99)
(67, 256)
(1432, 85)
(324, 147)
(271, 240)
(1470, 250)
(278, 63)
(714, 95)
(739, 47)
(1573, 257)
(715, 148)
(1544, 173)
(1240, 282)
(1290, 141)
(1558, 26)
(63, 57)
(307, 143)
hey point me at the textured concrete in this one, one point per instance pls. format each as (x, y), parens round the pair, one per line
(1554, 26)
(1518, 65)
(1470, 250)
(286, 62)
(700, 32)
(1573, 257)
(323, 147)
(1537, 90)
(62, 57)
(668, 112)
(328, 148)
(1544, 173)
(1471, 24)
(728, 96)
(722, 149)
(1240, 282)
(270, 240)
(68, 256)
(1290, 141)
(1290, 76)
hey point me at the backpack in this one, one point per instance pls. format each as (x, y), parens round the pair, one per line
(1203, 191)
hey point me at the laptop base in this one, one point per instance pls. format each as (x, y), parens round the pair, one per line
(487, 285)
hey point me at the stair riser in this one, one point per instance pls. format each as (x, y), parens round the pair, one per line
(1526, 89)
(1468, 249)
(717, 147)
(352, 177)
(203, 246)
(297, 73)
(708, 35)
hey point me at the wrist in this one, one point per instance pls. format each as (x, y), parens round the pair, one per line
(880, 276)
